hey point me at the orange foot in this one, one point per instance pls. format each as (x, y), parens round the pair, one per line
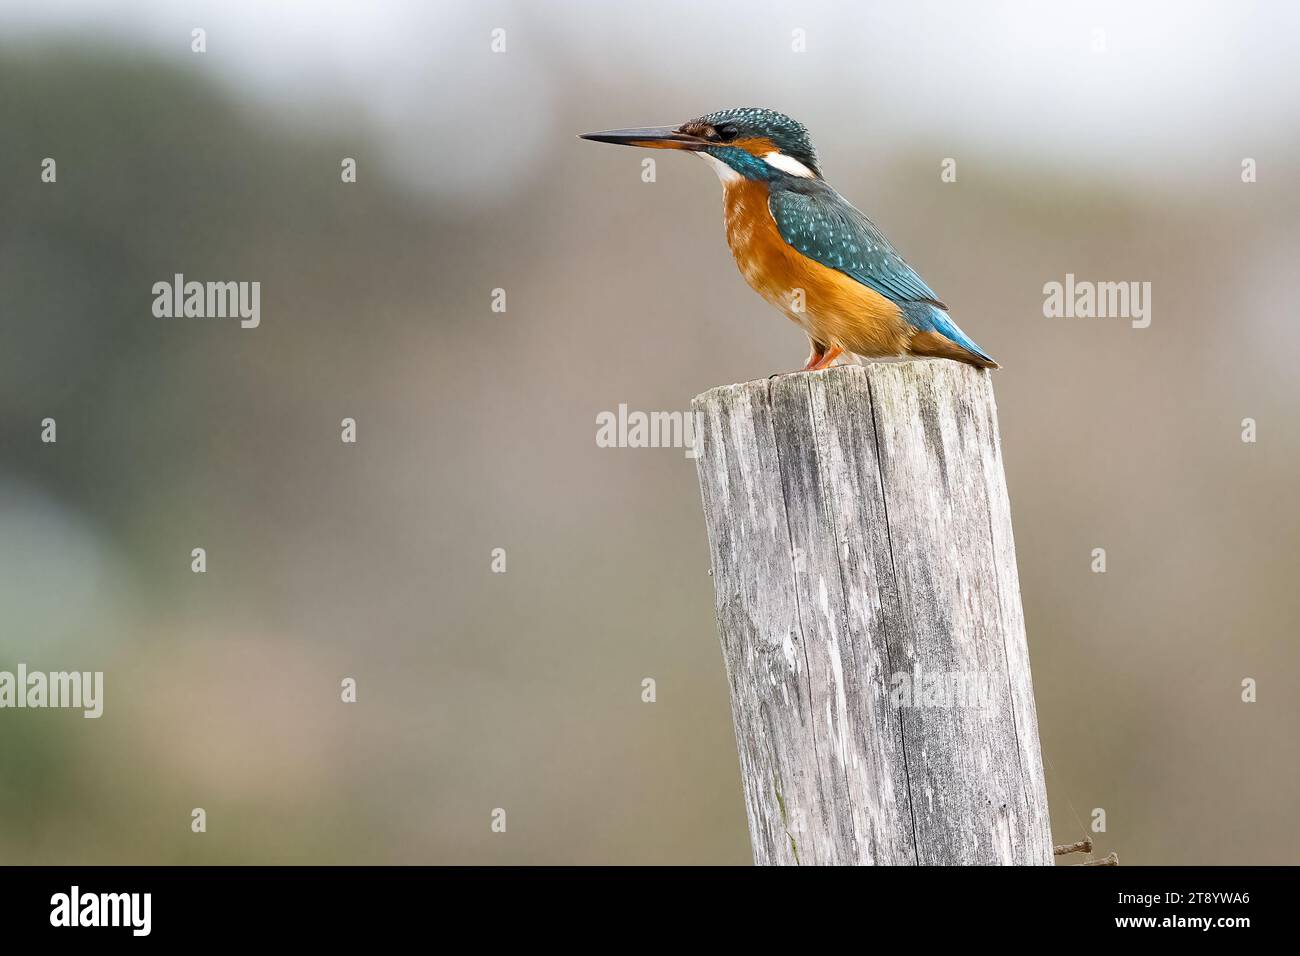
(818, 362)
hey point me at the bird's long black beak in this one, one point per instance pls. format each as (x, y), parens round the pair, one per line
(651, 137)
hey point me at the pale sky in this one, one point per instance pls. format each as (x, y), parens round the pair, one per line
(1174, 78)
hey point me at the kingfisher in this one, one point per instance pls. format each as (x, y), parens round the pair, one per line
(805, 248)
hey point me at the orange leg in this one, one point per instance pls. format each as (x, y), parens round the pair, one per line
(824, 361)
(821, 357)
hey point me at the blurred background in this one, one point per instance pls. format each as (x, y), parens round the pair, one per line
(1100, 139)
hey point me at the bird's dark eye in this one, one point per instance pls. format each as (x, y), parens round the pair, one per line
(727, 133)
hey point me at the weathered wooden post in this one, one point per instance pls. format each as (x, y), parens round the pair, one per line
(869, 609)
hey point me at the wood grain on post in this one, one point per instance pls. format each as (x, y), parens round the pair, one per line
(869, 610)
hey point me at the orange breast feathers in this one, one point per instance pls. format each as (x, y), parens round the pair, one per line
(832, 308)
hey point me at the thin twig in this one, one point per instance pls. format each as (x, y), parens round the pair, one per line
(1111, 860)
(1084, 847)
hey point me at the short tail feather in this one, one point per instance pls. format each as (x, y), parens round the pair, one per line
(938, 335)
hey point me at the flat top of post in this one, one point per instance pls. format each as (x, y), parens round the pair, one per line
(910, 369)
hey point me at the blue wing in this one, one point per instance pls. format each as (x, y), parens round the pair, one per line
(824, 226)
(821, 224)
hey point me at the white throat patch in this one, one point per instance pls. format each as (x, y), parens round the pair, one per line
(725, 173)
